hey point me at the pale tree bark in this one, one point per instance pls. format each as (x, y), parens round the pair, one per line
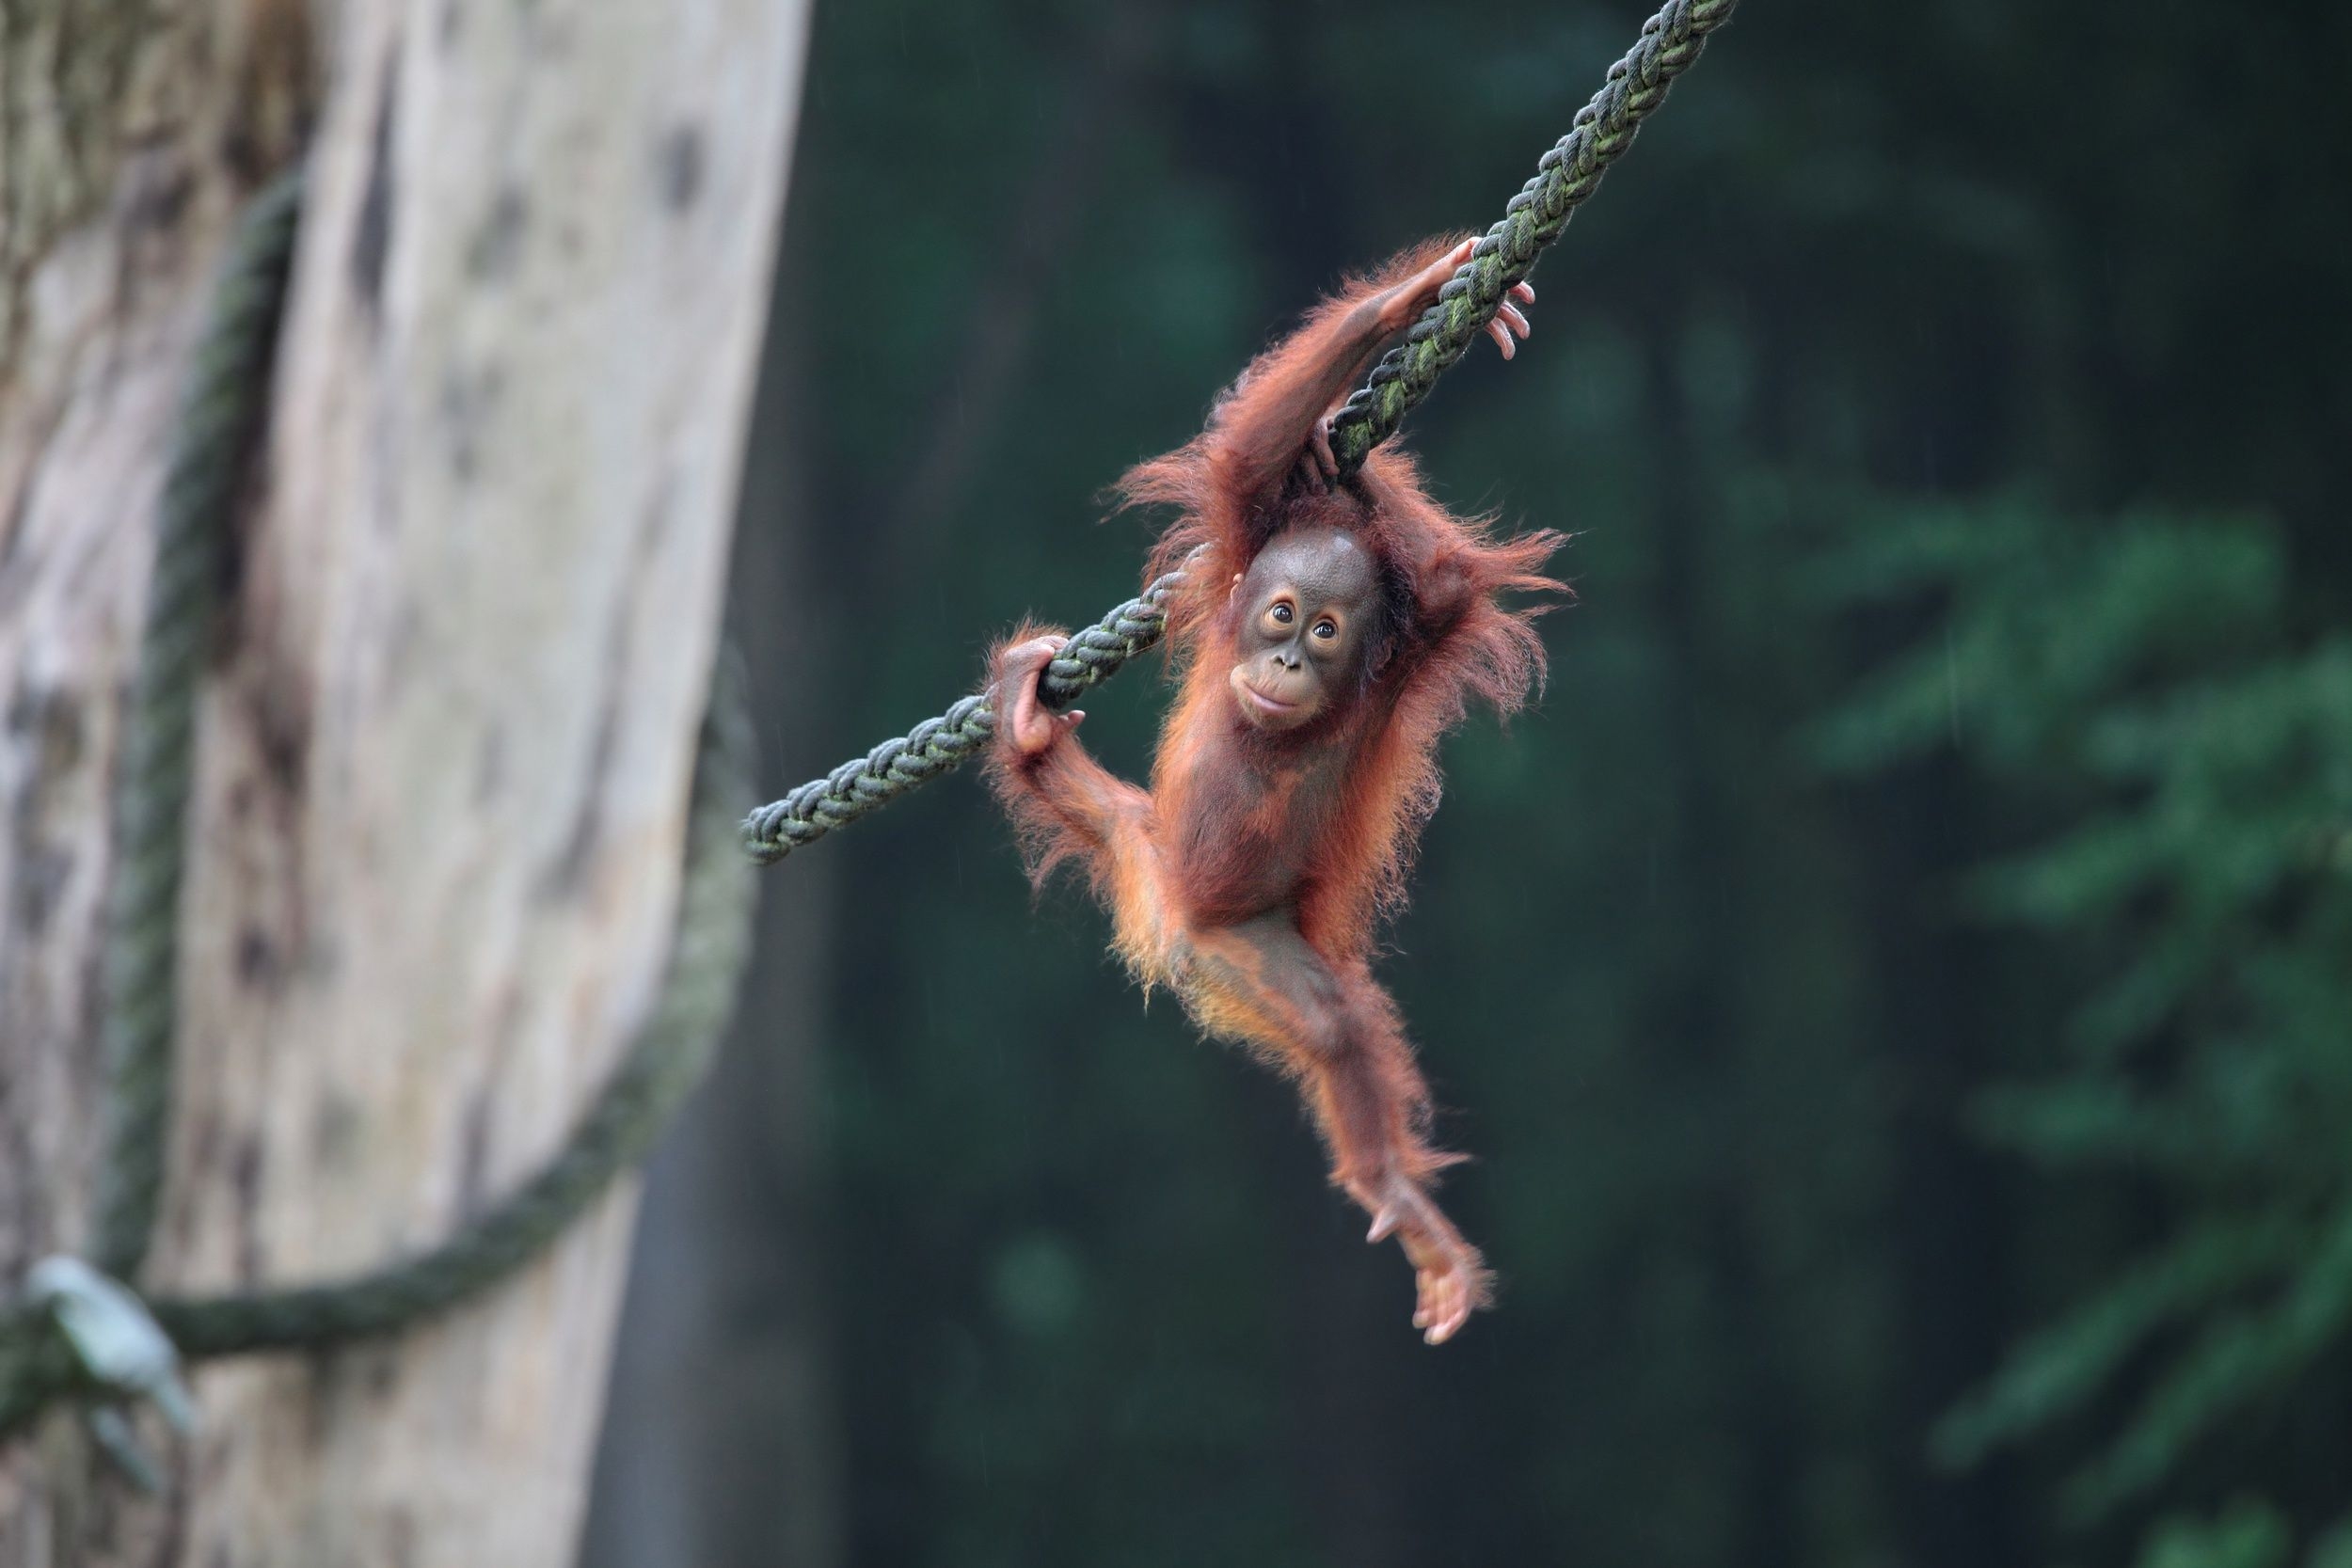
(445, 743)
(722, 1446)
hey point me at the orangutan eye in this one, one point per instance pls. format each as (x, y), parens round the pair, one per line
(1281, 613)
(1326, 630)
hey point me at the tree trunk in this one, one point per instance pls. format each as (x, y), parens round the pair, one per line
(445, 742)
(722, 1444)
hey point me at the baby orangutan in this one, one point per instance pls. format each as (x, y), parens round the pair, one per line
(1330, 630)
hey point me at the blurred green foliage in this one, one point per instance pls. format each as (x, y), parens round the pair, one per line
(1896, 986)
(2182, 728)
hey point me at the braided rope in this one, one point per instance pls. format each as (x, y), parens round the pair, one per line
(664, 1062)
(220, 413)
(1565, 175)
(940, 745)
(38, 1361)
(711, 943)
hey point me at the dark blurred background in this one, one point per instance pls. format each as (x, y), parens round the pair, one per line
(1897, 985)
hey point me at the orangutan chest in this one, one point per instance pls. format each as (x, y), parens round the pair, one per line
(1247, 843)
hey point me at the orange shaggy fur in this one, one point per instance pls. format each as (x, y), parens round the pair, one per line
(1181, 867)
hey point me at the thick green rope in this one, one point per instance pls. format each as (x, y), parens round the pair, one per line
(1564, 177)
(1603, 129)
(38, 1362)
(674, 1047)
(664, 1063)
(939, 745)
(220, 413)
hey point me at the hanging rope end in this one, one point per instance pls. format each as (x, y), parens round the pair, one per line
(121, 1351)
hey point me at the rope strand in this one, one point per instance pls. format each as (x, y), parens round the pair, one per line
(220, 414)
(1563, 177)
(940, 745)
(666, 1060)
(40, 1362)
